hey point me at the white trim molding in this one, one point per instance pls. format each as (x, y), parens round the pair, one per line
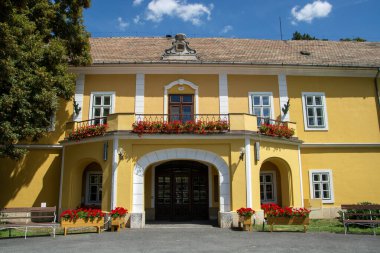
(115, 160)
(248, 169)
(78, 97)
(179, 154)
(180, 82)
(113, 101)
(331, 184)
(325, 117)
(270, 94)
(301, 176)
(139, 99)
(283, 92)
(223, 94)
(340, 145)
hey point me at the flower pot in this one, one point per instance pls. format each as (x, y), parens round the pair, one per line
(117, 223)
(97, 222)
(246, 222)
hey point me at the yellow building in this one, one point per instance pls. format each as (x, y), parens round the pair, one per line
(186, 135)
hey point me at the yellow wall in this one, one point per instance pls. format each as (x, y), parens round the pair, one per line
(77, 157)
(124, 87)
(351, 108)
(355, 172)
(208, 89)
(240, 85)
(32, 180)
(285, 158)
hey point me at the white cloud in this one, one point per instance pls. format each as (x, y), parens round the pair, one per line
(227, 29)
(193, 13)
(317, 9)
(137, 20)
(122, 24)
(137, 2)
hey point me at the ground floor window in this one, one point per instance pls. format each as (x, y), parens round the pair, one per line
(321, 186)
(94, 188)
(268, 187)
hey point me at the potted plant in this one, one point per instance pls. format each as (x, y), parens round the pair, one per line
(245, 217)
(82, 217)
(277, 215)
(118, 217)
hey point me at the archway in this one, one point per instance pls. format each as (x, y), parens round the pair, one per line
(92, 186)
(181, 154)
(276, 185)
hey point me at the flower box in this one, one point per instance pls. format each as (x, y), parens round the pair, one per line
(246, 223)
(117, 223)
(118, 220)
(98, 223)
(288, 221)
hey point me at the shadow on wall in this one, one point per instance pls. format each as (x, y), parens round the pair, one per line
(32, 180)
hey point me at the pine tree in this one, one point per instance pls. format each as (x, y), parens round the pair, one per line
(39, 40)
(305, 36)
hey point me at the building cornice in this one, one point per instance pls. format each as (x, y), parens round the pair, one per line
(340, 145)
(228, 68)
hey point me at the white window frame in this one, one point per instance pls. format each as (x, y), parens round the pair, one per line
(113, 100)
(87, 193)
(329, 171)
(304, 107)
(270, 94)
(274, 181)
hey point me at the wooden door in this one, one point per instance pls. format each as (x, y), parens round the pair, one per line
(181, 191)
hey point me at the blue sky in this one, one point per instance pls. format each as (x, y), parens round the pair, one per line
(329, 19)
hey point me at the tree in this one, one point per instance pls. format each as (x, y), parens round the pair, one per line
(305, 36)
(39, 40)
(357, 39)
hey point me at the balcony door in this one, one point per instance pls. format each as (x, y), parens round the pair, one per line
(181, 107)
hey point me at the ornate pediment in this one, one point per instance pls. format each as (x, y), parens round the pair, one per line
(180, 50)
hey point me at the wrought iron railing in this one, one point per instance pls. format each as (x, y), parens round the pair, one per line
(265, 120)
(181, 123)
(90, 122)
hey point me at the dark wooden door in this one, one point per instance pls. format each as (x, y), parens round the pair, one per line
(181, 191)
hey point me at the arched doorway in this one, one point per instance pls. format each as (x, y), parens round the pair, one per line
(276, 182)
(92, 186)
(181, 191)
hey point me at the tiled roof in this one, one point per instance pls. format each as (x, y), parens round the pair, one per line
(240, 51)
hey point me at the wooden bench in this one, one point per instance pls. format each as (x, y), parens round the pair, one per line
(28, 217)
(360, 211)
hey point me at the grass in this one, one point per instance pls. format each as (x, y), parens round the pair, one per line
(320, 225)
(42, 232)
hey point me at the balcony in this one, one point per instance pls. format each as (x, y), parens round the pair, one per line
(142, 124)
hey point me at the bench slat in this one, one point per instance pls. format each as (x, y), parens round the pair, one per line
(362, 221)
(361, 207)
(28, 209)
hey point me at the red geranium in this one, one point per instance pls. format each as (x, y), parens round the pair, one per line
(118, 212)
(82, 213)
(245, 212)
(273, 210)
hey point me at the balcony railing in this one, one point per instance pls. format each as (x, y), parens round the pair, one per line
(181, 123)
(186, 123)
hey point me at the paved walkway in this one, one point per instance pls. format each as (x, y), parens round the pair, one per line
(196, 238)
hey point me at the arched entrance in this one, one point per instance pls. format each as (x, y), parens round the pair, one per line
(181, 191)
(276, 182)
(92, 186)
(137, 216)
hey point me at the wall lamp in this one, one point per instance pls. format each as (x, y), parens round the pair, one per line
(242, 153)
(121, 152)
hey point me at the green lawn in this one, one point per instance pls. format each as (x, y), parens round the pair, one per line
(43, 232)
(325, 225)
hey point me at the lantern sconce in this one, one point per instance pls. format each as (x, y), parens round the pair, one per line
(242, 153)
(121, 152)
